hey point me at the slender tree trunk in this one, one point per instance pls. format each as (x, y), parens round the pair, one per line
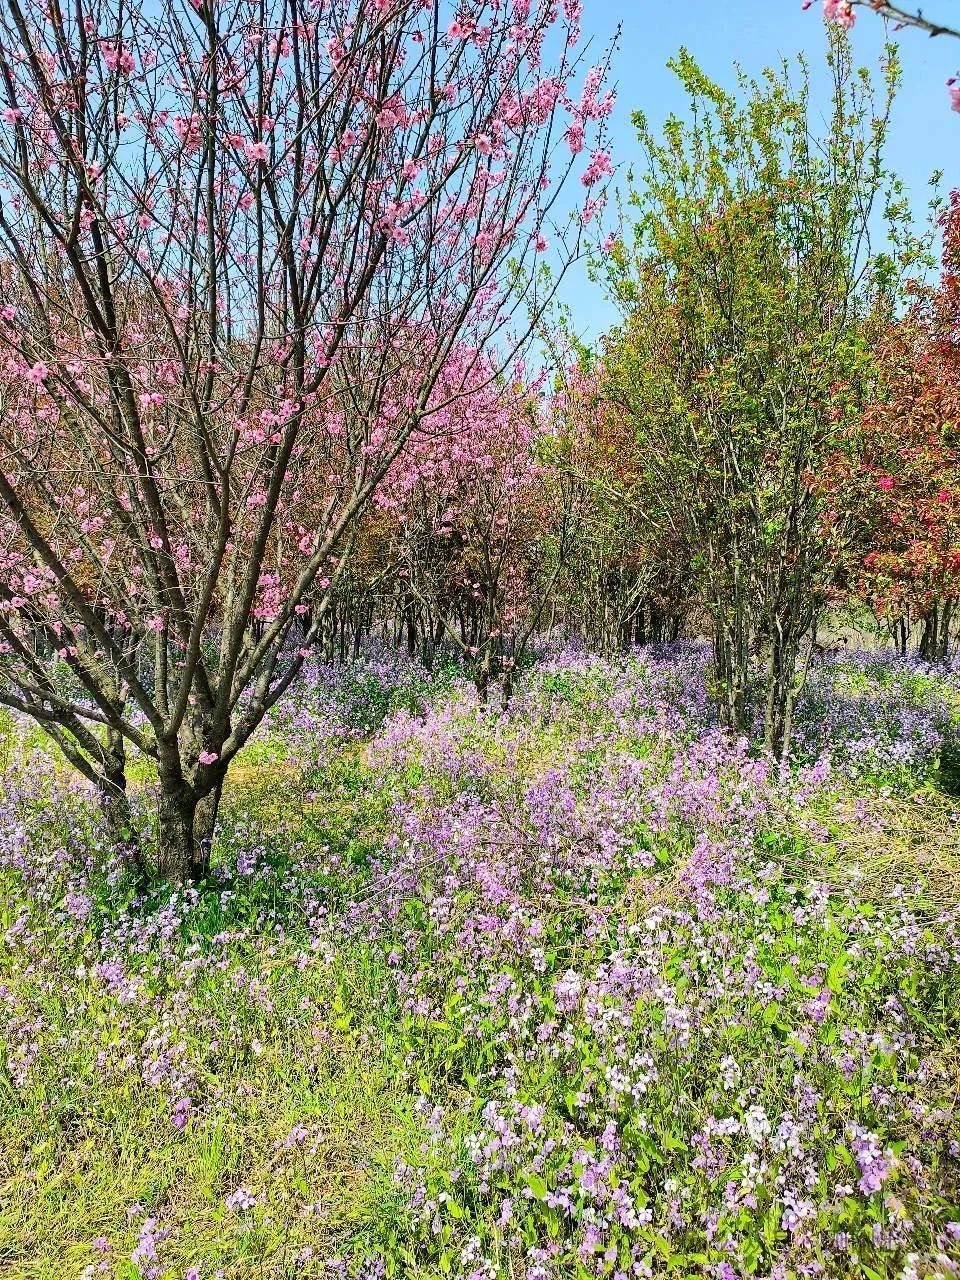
(778, 711)
(945, 625)
(935, 637)
(114, 803)
(411, 633)
(786, 676)
(481, 679)
(112, 787)
(731, 673)
(205, 826)
(928, 636)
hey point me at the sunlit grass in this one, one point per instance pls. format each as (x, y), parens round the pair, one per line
(295, 1065)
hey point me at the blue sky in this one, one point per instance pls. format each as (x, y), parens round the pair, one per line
(925, 135)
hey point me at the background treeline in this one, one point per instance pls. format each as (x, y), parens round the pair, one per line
(767, 437)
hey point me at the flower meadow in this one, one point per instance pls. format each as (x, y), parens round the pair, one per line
(579, 987)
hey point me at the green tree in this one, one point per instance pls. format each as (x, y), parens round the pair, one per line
(750, 289)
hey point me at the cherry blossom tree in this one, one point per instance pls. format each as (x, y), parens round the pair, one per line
(239, 243)
(484, 518)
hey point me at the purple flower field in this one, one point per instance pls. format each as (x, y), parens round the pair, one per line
(583, 988)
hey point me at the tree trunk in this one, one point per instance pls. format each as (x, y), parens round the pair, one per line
(731, 673)
(507, 688)
(792, 649)
(114, 808)
(481, 680)
(186, 827)
(945, 625)
(176, 847)
(935, 637)
(778, 710)
(205, 826)
(114, 803)
(411, 633)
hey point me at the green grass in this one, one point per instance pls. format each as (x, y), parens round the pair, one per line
(313, 1048)
(311, 1082)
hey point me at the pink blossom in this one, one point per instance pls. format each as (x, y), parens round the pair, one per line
(590, 208)
(208, 757)
(839, 12)
(574, 137)
(256, 152)
(600, 166)
(885, 482)
(37, 374)
(543, 98)
(393, 113)
(119, 60)
(187, 129)
(511, 111)
(593, 107)
(953, 87)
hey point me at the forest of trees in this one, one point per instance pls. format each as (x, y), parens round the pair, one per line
(276, 296)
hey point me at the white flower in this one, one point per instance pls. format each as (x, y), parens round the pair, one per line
(757, 1125)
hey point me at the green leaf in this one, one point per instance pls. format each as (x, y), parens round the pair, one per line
(837, 971)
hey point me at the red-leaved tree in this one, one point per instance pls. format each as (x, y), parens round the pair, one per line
(899, 482)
